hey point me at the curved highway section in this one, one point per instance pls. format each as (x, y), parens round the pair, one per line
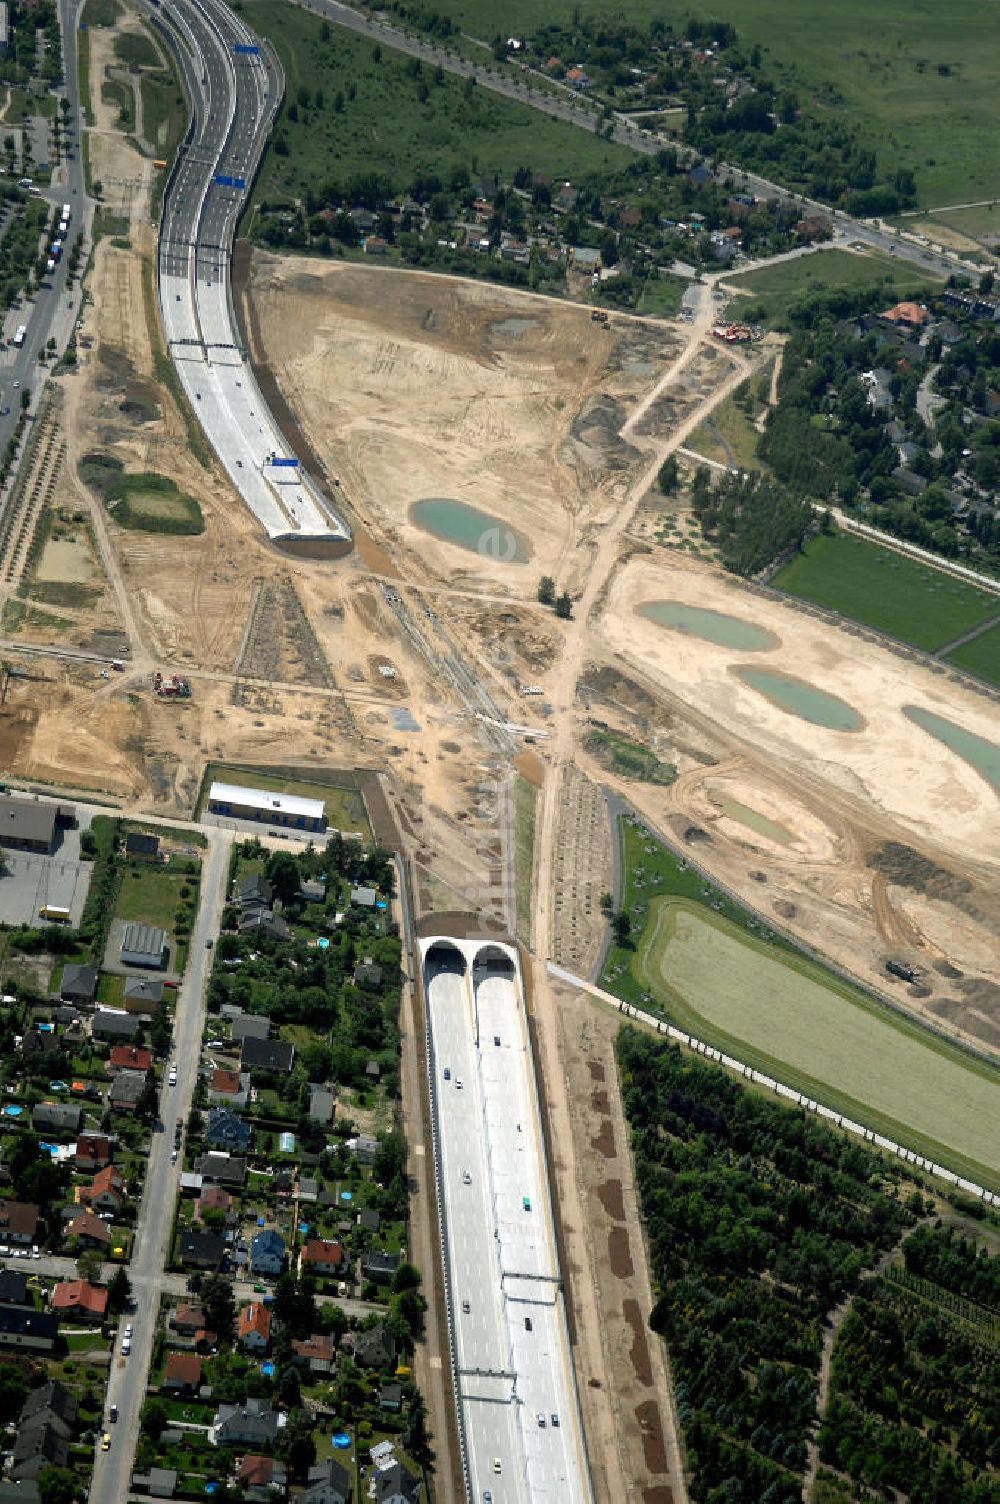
(233, 82)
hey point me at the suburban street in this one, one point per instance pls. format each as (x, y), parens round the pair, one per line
(150, 1248)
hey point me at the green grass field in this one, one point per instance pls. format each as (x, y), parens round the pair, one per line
(885, 590)
(980, 656)
(722, 975)
(984, 219)
(774, 289)
(918, 79)
(378, 117)
(345, 808)
(150, 894)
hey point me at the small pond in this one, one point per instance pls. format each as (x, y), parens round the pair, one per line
(980, 754)
(513, 328)
(799, 698)
(467, 527)
(753, 819)
(711, 626)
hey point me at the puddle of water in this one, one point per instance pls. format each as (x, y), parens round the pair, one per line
(711, 626)
(980, 754)
(467, 527)
(801, 699)
(513, 328)
(753, 819)
(402, 720)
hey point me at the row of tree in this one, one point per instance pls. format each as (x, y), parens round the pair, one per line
(751, 518)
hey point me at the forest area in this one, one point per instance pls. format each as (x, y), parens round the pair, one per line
(750, 517)
(761, 1220)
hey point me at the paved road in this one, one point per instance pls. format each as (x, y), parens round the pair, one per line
(127, 1382)
(234, 83)
(567, 106)
(53, 310)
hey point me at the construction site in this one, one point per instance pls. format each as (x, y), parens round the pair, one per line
(481, 438)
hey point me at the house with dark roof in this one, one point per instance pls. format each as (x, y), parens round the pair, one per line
(36, 1045)
(379, 1266)
(390, 1397)
(322, 1104)
(187, 1317)
(37, 1447)
(182, 1373)
(329, 1482)
(253, 892)
(142, 847)
(13, 1287)
(56, 1117)
(222, 1168)
(264, 922)
(18, 1223)
(144, 945)
(114, 1024)
(369, 1219)
(267, 1252)
(201, 1250)
(312, 891)
(25, 1328)
(51, 1404)
(254, 1423)
(142, 994)
(89, 1231)
(82, 1301)
(225, 1129)
(78, 984)
(249, 1026)
(374, 1348)
(267, 1055)
(394, 1485)
(368, 973)
(125, 1091)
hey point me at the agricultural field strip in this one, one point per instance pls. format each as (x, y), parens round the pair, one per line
(732, 987)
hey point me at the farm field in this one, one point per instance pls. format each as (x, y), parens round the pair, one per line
(720, 973)
(897, 80)
(886, 590)
(346, 113)
(980, 656)
(345, 809)
(775, 289)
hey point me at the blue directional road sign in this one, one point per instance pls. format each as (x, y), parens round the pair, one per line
(223, 180)
(285, 464)
(246, 51)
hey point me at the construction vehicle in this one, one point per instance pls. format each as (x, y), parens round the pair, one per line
(171, 686)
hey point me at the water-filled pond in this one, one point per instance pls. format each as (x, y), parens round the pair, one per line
(467, 527)
(799, 698)
(982, 755)
(711, 626)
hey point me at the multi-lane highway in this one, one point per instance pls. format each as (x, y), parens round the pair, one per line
(518, 1410)
(233, 82)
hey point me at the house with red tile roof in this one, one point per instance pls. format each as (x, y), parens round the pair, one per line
(93, 1151)
(914, 315)
(129, 1057)
(322, 1255)
(81, 1300)
(106, 1192)
(90, 1231)
(253, 1328)
(182, 1373)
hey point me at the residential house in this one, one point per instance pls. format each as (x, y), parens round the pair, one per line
(144, 945)
(364, 1148)
(248, 1025)
(261, 1479)
(125, 1091)
(311, 890)
(222, 1168)
(106, 1192)
(322, 1104)
(51, 1404)
(264, 922)
(376, 245)
(253, 1328)
(363, 218)
(89, 1231)
(214, 1198)
(700, 174)
(37, 1044)
(182, 1373)
(13, 1287)
(129, 1057)
(308, 1188)
(390, 1397)
(267, 1252)
(585, 258)
(329, 1482)
(18, 1223)
(267, 1055)
(374, 1348)
(317, 1353)
(187, 1318)
(813, 227)
(363, 898)
(93, 1151)
(373, 1070)
(37, 1447)
(254, 892)
(225, 1129)
(142, 994)
(909, 481)
(201, 1250)
(56, 1117)
(913, 315)
(368, 973)
(322, 1256)
(159, 1482)
(114, 1024)
(379, 1266)
(24, 1328)
(142, 847)
(78, 984)
(394, 1485)
(369, 1219)
(82, 1301)
(254, 1423)
(230, 1088)
(566, 196)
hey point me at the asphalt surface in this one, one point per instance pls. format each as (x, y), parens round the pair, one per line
(519, 1413)
(128, 1376)
(51, 312)
(234, 83)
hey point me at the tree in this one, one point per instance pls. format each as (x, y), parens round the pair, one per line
(56, 1485)
(148, 1102)
(219, 1306)
(564, 606)
(155, 1418)
(283, 874)
(14, 1386)
(668, 475)
(622, 926)
(119, 1292)
(547, 590)
(88, 1265)
(297, 1447)
(607, 902)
